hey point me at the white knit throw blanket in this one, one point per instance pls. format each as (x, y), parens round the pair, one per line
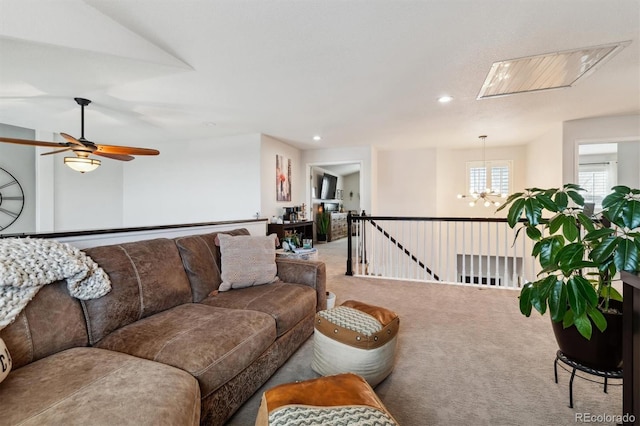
(26, 265)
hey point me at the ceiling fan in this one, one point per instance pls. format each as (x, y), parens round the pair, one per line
(83, 147)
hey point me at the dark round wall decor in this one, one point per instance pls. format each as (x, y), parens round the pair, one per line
(11, 199)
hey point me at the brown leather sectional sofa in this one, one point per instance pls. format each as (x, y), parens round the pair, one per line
(162, 347)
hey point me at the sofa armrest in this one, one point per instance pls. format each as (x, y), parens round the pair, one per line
(305, 272)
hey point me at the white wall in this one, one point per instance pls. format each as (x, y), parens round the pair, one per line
(269, 148)
(544, 160)
(352, 184)
(407, 182)
(629, 164)
(451, 175)
(19, 160)
(622, 128)
(87, 200)
(194, 181)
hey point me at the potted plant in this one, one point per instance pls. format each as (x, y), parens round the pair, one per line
(580, 256)
(322, 222)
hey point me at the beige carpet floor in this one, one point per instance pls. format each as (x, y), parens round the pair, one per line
(466, 356)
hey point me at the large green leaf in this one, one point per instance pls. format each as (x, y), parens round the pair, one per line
(631, 214)
(569, 256)
(614, 197)
(525, 300)
(598, 319)
(577, 302)
(611, 292)
(537, 301)
(585, 290)
(583, 325)
(540, 293)
(573, 186)
(626, 256)
(511, 198)
(596, 234)
(570, 228)
(613, 204)
(604, 249)
(547, 202)
(555, 223)
(532, 211)
(561, 200)
(567, 320)
(576, 197)
(586, 222)
(549, 248)
(533, 233)
(557, 300)
(515, 212)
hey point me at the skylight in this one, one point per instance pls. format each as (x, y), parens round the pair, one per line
(544, 72)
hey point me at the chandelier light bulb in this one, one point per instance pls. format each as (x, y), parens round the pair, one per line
(472, 203)
(487, 203)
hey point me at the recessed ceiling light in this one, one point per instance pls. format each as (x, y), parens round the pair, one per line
(444, 99)
(317, 138)
(209, 124)
(544, 72)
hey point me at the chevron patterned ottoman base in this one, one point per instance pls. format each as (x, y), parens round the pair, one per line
(344, 399)
(355, 338)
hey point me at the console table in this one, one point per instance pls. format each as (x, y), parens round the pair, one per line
(631, 346)
(303, 228)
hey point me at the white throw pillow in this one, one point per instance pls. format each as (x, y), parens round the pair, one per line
(5, 361)
(247, 260)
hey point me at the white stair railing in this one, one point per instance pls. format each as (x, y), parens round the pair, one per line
(452, 250)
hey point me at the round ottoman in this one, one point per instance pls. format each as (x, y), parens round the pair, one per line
(344, 399)
(355, 338)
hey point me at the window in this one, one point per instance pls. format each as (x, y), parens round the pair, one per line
(597, 179)
(499, 173)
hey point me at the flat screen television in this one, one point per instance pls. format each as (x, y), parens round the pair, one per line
(328, 187)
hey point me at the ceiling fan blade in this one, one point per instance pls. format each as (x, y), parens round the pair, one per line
(32, 142)
(71, 139)
(57, 151)
(120, 157)
(126, 150)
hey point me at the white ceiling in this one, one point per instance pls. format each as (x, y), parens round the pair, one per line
(355, 72)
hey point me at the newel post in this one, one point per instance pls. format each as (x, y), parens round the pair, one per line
(349, 236)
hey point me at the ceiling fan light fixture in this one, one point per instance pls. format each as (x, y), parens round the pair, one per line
(82, 165)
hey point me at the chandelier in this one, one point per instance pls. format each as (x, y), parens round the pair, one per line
(486, 196)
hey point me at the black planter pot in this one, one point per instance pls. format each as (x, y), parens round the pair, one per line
(322, 237)
(602, 352)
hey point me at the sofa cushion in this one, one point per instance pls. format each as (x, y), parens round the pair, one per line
(288, 304)
(147, 277)
(88, 386)
(247, 261)
(52, 321)
(213, 344)
(201, 259)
